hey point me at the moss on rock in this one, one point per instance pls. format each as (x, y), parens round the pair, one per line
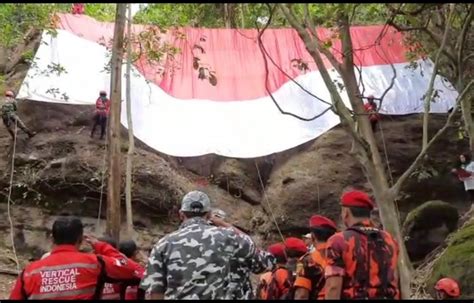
(430, 215)
(457, 262)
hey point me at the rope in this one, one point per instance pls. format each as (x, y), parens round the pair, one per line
(12, 236)
(319, 202)
(268, 202)
(104, 163)
(386, 154)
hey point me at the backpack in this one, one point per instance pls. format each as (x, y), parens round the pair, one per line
(270, 289)
(377, 246)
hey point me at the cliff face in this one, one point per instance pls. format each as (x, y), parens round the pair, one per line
(61, 169)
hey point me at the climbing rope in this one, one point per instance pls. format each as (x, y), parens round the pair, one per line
(12, 236)
(386, 154)
(268, 202)
(104, 163)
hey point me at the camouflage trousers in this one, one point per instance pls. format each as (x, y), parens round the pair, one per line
(9, 121)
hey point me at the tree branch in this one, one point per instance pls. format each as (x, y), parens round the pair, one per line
(326, 52)
(429, 92)
(460, 44)
(396, 187)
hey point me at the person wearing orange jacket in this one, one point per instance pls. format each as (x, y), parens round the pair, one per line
(102, 109)
(361, 260)
(309, 283)
(271, 284)
(67, 273)
(447, 289)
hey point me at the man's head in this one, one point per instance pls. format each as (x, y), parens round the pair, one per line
(195, 204)
(308, 239)
(322, 228)
(278, 251)
(9, 93)
(129, 249)
(356, 207)
(295, 248)
(371, 98)
(447, 288)
(68, 230)
(103, 94)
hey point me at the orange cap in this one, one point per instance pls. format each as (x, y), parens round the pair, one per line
(449, 286)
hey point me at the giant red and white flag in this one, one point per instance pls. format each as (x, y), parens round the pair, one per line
(178, 113)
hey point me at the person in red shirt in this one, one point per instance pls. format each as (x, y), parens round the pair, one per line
(130, 250)
(371, 108)
(361, 260)
(309, 283)
(102, 106)
(67, 273)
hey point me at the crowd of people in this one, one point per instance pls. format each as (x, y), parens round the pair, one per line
(209, 258)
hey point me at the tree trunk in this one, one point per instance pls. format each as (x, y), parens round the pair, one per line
(113, 136)
(131, 141)
(227, 21)
(467, 113)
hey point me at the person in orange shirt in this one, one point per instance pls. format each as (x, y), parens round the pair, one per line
(278, 284)
(266, 279)
(309, 281)
(447, 289)
(361, 260)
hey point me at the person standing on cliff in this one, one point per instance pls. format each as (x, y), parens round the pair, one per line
(465, 173)
(102, 109)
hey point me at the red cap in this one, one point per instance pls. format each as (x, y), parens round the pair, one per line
(296, 244)
(9, 93)
(449, 286)
(357, 198)
(321, 221)
(277, 249)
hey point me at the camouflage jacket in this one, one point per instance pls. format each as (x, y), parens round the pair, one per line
(240, 283)
(8, 106)
(194, 262)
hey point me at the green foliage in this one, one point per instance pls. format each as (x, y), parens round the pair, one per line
(101, 11)
(457, 262)
(430, 215)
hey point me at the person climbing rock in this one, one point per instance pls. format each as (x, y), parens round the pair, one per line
(361, 260)
(67, 273)
(10, 117)
(447, 289)
(371, 108)
(102, 106)
(193, 262)
(465, 173)
(309, 283)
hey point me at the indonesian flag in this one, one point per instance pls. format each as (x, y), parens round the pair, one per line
(212, 96)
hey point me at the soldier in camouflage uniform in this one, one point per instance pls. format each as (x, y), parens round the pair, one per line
(194, 262)
(240, 282)
(10, 117)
